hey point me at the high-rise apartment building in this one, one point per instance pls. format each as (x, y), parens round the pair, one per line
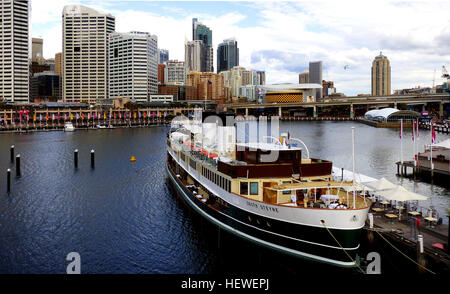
(37, 45)
(193, 55)
(381, 76)
(85, 59)
(247, 77)
(14, 36)
(163, 56)
(175, 72)
(227, 55)
(237, 77)
(261, 77)
(133, 65)
(303, 78)
(209, 86)
(315, 75)
(203, 33)
(58, 64)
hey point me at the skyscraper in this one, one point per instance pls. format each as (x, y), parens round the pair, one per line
(261, 77)
(193, 55)
(163, 56)
(133, 65)
(14, 36)
(303, 78)
(58, 63)
(315, 75)
(227, 55)
(203, 33)
(85, 60)
(381, 76)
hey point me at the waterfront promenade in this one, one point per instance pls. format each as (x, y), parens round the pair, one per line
(48, 118)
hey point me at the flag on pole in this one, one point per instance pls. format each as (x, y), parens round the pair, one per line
(433, 134)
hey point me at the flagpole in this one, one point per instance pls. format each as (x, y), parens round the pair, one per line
(401, 145)
(353, 159)
(416, 127)
(431, 149)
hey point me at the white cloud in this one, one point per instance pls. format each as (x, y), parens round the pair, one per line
(415, 36)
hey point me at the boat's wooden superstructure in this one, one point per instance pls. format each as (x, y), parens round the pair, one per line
(288, 203)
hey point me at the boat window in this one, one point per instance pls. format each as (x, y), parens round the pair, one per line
(244, 188)
(287, 192)
(254, 188)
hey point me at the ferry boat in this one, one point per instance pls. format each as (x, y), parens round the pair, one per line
(290, 204)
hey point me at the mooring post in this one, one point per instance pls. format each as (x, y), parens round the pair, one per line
(8, 180)
(75, 158)
(420, 257)
(92, 158)
(18, 165)
(11, 151)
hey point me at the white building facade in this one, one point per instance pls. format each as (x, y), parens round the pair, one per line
(133, 65)
(85, 59)
(14, 50)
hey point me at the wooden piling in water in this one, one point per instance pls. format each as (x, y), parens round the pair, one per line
(92, 158)
(75, 158)
(11, 152)
(8, 180)
(18, 173)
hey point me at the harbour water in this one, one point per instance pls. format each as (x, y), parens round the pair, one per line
(124, 217)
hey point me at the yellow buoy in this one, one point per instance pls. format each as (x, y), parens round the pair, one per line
(132, 159)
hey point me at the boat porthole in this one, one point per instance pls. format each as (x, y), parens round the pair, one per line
(249, 218)
(268, 224)
(354, 218)
(258, 222)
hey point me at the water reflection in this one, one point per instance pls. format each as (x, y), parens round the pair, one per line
(125, 218)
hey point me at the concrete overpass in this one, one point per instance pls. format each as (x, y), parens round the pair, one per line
(369, 101)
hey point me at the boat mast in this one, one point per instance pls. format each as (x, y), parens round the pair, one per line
(353, 158)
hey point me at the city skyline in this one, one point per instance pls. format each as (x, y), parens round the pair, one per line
(281, 38)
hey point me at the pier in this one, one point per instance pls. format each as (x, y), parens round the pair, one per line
(404, 232)
(85, 118)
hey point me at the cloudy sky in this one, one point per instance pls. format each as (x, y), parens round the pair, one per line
(282, 37)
